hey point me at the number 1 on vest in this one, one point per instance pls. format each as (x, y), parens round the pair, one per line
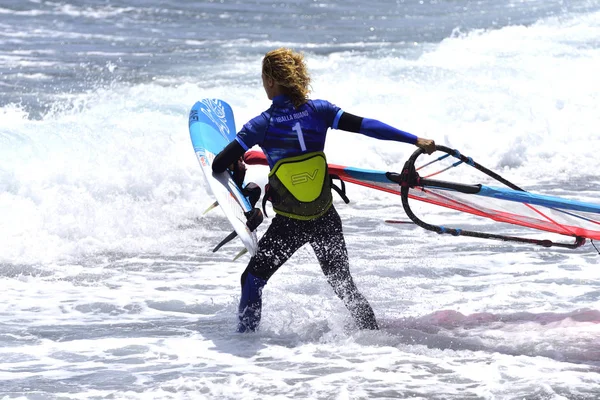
(296, 128)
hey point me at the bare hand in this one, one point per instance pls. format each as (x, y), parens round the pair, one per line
(426, 144)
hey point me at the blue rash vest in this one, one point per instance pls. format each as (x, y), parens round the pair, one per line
(285, 131)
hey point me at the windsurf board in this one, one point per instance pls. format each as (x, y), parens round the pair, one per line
(212, 127)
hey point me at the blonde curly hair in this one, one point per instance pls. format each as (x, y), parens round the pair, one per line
(287, 69)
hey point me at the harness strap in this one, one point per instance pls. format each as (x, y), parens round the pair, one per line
(341, 191)
(266, 198)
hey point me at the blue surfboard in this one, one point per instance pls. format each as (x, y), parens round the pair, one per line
(212, 127)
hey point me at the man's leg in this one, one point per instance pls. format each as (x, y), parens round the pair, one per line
(330, 248)
(282, 239)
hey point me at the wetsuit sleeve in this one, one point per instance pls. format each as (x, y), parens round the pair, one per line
(231, 153)
(328, 111)
(253, 132)
(372, 128)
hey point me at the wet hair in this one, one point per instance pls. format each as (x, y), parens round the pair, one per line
(288, 70)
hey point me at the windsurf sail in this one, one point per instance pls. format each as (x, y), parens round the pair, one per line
(508, 204)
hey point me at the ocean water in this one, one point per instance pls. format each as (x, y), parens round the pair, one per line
(110, 289)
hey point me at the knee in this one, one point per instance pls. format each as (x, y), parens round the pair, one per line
(342, 284)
